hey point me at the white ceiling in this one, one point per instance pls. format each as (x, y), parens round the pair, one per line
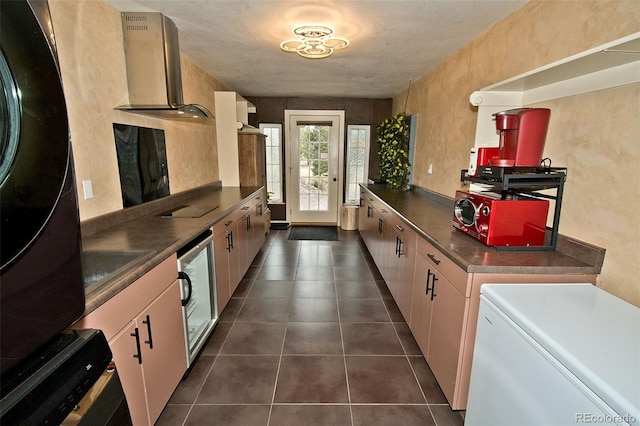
(392, 42)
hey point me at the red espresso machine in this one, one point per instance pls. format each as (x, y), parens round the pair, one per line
(523, 132)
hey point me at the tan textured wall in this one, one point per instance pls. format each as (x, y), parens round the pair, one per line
(90, 48)
(595, 135)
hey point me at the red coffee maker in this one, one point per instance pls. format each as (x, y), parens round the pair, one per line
(522, 135)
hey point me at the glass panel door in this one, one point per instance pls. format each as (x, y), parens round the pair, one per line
(197, 277)
(314, 165)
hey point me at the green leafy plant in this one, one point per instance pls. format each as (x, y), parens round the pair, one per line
(393, 142)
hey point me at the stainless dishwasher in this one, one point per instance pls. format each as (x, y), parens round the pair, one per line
(196, 272)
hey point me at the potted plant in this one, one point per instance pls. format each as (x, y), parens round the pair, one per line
(393, 142)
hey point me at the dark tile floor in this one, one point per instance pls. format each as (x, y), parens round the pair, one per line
(311, 337)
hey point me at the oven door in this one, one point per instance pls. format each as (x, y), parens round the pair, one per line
(103, 404)
(69, 381)
(465, 211)
(198, 291)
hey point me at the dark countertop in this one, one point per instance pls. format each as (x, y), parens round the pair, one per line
(431, 214)
(127, 244)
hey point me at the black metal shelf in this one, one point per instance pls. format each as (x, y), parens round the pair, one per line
(524, 181)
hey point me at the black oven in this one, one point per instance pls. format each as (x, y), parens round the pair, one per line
(69, 381)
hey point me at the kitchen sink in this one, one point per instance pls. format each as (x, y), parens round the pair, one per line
(103, 265)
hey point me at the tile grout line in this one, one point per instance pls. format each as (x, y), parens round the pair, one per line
(275, 383)
(344, 352)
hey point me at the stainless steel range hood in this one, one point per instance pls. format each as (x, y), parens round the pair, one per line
(152, 56)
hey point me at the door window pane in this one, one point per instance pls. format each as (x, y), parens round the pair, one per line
(357, 161)
(274, 160)
(313, 149)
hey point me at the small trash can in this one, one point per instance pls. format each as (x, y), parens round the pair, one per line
(349, 218)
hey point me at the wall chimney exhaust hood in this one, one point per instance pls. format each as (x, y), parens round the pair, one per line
(152, 56)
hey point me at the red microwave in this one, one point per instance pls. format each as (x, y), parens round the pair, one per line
(496, 222)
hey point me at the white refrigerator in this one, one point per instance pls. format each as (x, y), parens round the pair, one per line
(554, 354)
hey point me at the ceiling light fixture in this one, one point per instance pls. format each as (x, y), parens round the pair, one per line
(314, 42)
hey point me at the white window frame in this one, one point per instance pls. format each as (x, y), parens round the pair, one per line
(347, 178)
(263, 128)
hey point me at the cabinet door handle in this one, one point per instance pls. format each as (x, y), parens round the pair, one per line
(429, 273)
(150, 341)
(433, 286)
(136, 334)
(399, 246)
(248, 220)
(433, 258)
(380, 225)
(231, 234)
(229, 243)
(185, 276)
(368, 211)
(260, 212)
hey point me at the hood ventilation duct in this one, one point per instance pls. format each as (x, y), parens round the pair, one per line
(152, 56)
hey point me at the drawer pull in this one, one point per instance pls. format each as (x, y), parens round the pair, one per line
(433, 286)
(399, 228)
(148, 323)
(399, 246)
(137, 336)
(229, 241)
(433, 258)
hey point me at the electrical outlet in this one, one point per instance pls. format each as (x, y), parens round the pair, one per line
(430, 169)
(87, 189)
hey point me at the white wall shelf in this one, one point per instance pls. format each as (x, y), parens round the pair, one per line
(610, 65)
(232, 112)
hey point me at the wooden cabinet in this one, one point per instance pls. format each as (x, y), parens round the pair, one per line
(439, 300)
(438, 313)
(245, 236)
(227, 258)
(392, 245)
(381, 239)
(257, 225)
(252, 158)
(401, 265)
(237, 239)
(144, 327)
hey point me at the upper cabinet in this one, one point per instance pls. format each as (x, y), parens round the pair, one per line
(611, 65)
